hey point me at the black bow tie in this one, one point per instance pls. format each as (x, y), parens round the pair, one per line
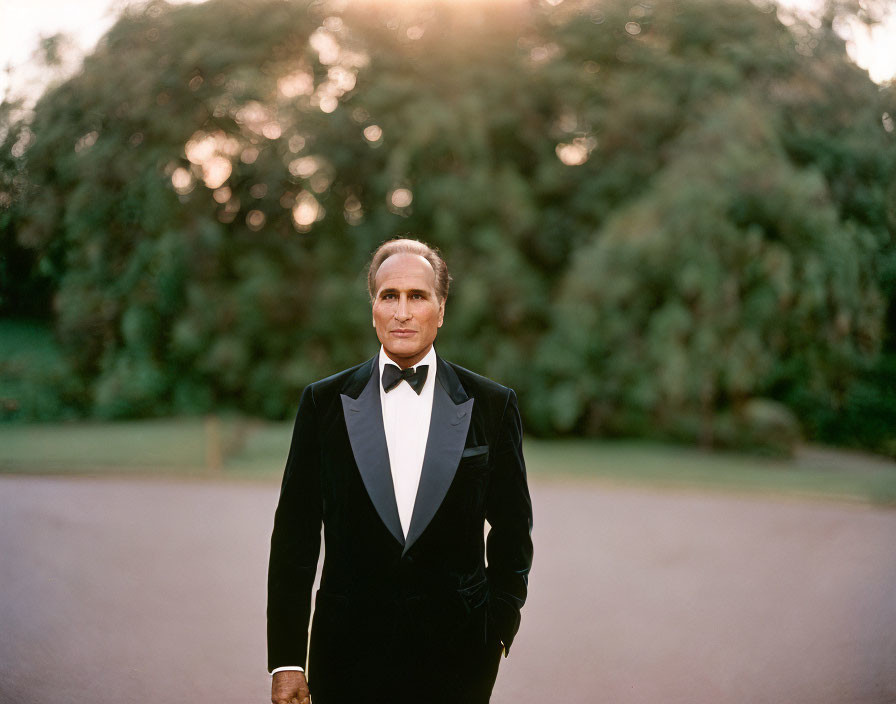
(392, 377)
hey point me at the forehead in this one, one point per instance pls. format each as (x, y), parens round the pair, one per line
(405, 270)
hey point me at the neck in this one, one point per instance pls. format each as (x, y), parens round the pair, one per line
(405, 362)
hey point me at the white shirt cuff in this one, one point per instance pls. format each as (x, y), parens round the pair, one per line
(291, 668)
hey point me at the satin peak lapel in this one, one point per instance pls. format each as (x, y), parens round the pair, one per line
(364, 421)
(448, 428)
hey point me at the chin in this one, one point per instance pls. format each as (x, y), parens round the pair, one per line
(407, 350)
(401, 351)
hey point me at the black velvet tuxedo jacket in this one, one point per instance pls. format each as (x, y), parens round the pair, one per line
(418, 619)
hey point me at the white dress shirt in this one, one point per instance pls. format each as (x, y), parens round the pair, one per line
(406, 417)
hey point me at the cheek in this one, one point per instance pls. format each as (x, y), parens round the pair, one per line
(381, 313)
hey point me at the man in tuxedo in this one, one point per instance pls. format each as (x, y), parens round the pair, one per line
(402, 459)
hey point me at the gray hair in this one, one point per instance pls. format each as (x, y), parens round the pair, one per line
(403, 245)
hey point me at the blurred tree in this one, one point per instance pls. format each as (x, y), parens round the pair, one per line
(789, 160)
(684, 303)
(674, 210)
(834, 119)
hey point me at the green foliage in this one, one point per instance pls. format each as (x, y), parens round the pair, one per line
(36, 384)
(686, 302)
(660, 218)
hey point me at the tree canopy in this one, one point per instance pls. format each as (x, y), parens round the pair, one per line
(668, 218)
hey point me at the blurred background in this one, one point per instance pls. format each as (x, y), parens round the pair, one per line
(671, 220)
(672, 229)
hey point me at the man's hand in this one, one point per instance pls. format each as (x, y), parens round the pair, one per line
(290, 687)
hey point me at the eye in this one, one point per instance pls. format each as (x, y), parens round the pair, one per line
(387, 295)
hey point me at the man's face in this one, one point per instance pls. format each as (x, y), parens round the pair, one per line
(407, 314)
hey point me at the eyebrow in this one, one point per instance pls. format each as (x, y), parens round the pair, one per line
(421, 291)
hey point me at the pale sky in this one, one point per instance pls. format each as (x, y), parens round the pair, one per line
(22, 22)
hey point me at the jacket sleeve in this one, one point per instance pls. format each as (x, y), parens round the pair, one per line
(295, 543)
(509, 514)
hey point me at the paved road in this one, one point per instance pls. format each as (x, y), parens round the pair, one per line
(125, 591)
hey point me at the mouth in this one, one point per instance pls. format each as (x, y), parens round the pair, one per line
(401, 332)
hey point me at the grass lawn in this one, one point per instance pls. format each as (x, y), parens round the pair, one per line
(815, 471)
(240, 448)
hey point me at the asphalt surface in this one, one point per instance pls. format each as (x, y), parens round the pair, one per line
(126, 590)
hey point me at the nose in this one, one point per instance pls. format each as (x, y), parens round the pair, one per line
(403, 311)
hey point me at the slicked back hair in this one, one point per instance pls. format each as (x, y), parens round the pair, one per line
(403, 245)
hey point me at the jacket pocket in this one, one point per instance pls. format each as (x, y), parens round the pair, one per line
(475, 451)
(330, 608)
(474, 460)
(475, 595)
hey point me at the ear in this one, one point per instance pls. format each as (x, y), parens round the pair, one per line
(441, 312)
